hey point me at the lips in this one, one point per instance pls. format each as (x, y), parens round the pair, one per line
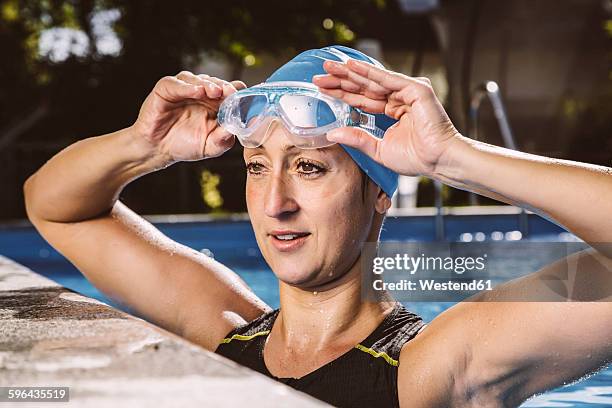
(288, 240)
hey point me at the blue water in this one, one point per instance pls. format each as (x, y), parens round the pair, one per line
(235, 246)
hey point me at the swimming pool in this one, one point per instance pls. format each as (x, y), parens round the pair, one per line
(232, 242)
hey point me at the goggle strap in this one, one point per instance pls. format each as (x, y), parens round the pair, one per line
(367, 121)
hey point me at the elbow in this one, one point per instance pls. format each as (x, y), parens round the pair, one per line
(27, 187)
(29, 194)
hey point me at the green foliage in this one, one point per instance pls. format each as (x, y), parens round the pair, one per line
(608, 27)
(209, 184)
(157, 37)
(79, 94)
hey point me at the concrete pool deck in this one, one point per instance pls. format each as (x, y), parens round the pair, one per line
(52, 336)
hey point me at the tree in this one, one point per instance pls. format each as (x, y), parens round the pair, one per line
(74, 69)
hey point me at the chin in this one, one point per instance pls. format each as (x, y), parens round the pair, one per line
(294, 274)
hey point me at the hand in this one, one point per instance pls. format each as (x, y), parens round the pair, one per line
(413, 146)
(179, 117)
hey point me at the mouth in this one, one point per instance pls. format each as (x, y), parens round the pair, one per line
(287, 241)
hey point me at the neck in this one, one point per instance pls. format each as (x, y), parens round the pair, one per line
(330, 314)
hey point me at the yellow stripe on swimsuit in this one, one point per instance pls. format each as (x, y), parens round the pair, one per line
(377, 354)
(243, 337)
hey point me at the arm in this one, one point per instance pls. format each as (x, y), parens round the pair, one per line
(72, 201)
(558, 189)
(559, 333)
(500, 351)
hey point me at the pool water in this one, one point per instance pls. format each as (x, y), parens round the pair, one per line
(235, 246)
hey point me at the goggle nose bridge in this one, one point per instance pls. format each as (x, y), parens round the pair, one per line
(269, 110)
(270, 122)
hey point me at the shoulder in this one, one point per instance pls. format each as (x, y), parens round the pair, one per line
(398, 328)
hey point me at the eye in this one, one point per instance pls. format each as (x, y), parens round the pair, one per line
(254, 168)
(309, 168)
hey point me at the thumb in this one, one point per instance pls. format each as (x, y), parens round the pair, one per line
(358, 139)
(218, 142)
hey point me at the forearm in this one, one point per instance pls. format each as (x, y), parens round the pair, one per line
(85, 179)
(576, 195)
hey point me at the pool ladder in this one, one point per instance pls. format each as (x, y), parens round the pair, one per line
(488, 89)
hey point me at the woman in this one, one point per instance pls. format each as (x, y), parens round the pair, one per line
(312, 210)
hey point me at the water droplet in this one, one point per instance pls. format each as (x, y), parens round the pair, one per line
(315, 293)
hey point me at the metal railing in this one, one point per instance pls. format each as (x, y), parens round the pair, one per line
(490, 90)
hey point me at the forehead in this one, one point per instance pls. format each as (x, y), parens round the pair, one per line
(277, 143)
(288, 149)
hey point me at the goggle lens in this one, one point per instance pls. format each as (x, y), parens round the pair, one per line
(250, 107)
(306, 112)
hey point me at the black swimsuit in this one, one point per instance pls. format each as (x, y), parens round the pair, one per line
(365, 376)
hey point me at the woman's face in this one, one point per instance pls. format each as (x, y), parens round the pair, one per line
(307, 209)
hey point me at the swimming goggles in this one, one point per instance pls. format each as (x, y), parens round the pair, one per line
(306, 114)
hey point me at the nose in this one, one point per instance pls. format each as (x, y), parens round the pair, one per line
(278, 198)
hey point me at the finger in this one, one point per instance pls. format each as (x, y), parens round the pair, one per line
(344, 72)
(218, 142)
(405, 88)
(227, 87)
(326, 81)
(213, 90)
(174, 90)
(358, 139)
(393, 81)
(239, 85)
(334, 82)
(217, 81)
(362, 102)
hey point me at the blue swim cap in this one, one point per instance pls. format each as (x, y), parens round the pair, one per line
(310, 63)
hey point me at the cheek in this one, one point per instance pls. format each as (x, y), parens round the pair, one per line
(254, 199)
(342, 214)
